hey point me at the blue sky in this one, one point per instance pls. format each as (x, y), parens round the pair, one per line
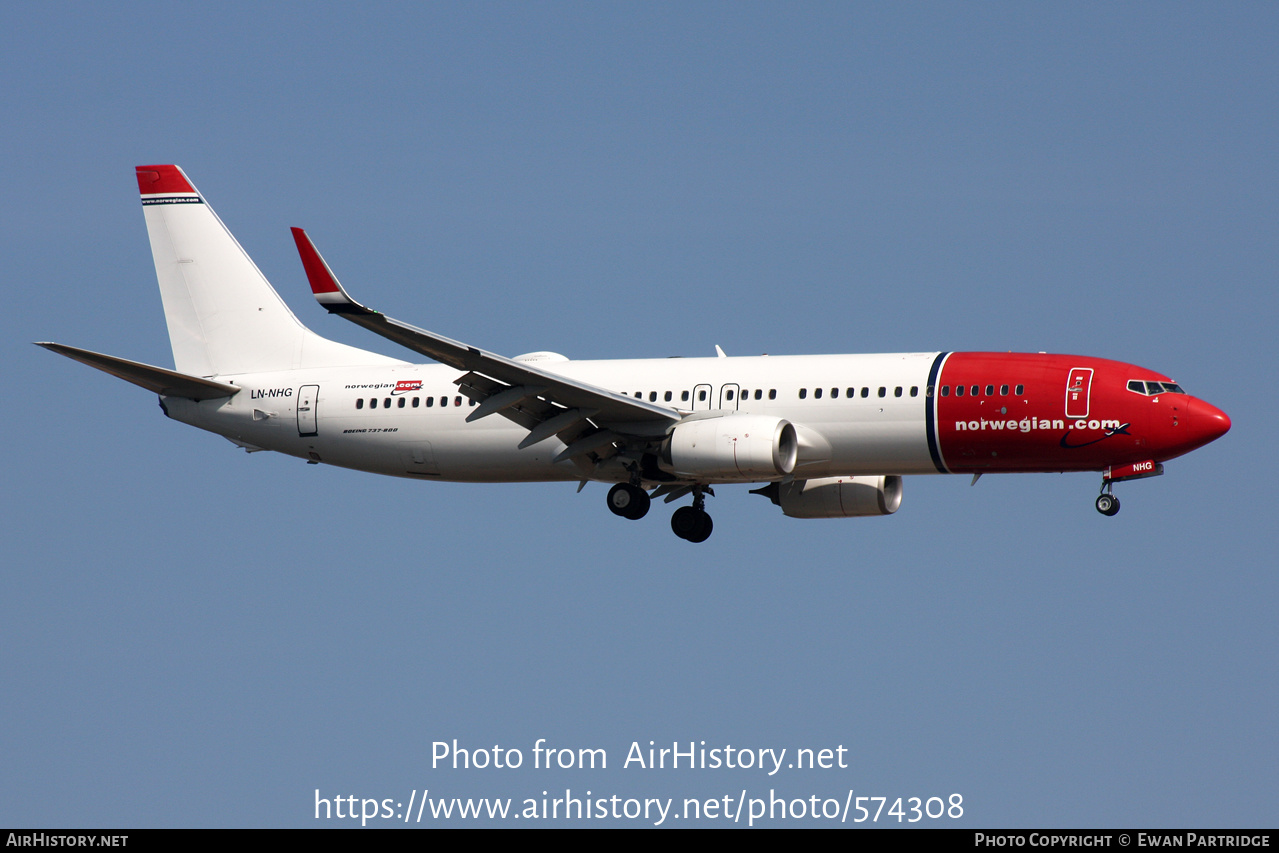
(196, 637)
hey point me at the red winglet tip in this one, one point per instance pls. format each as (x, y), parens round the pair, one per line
(153, 180)
(317, 272)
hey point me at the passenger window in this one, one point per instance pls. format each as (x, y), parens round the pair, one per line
(883, 392)
(850, 393)
(1003, 390)
(729, 395)
(683, 396)
(817, 393)
(945, 390)
(668, 396)
(758, 394)
(652, 396)
(959, 390)
(976, 389)
(865, 392)
(990, 390)
(772, 393)
(914, 391)
(457, 401)
(834, 393)
(1019, 390)
(359, 403)
(803, 393)
(401, 402)
(701, 396)
(415, 402)
(897, 392)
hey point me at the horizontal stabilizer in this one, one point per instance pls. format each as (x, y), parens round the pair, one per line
(166, 383)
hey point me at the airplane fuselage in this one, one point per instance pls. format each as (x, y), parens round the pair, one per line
(898, 413)
(828, 436)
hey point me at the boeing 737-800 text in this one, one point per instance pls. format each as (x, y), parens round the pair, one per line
(827, 436)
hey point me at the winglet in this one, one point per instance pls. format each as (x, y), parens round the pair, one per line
(324, 284)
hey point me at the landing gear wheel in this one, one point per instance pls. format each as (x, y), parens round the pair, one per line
(628, 501)
(693, 525)
(704, 527)
(1107, 504)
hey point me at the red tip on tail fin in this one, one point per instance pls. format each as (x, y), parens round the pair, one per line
(154, 180)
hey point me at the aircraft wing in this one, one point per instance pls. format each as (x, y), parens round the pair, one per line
(586, 417)
(167, 383)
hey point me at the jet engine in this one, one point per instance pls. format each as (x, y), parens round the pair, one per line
(836, 497)
(732, 448)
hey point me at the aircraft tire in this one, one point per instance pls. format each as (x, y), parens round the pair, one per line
(692, 525)
(1107, 504)
(704, 527)
(684, 522)
(628, 501)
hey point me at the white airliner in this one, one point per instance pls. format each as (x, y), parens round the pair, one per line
(828, 436)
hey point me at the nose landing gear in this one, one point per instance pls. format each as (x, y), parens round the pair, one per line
(1107, 504)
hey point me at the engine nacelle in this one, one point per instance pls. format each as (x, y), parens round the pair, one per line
(836, 497)
(732, 448)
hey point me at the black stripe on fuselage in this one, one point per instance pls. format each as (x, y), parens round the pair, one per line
(930, 411)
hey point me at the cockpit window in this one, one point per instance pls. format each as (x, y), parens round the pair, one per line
(1150, 389)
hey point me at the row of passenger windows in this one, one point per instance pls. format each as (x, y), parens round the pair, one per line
(852, 392)
(387, 402)
(976, 390)
(729, 394)
(758, 394)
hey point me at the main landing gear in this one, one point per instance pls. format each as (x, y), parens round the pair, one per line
(692, 523)
(628, 501)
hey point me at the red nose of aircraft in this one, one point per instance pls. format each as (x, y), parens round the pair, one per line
(1206, 422)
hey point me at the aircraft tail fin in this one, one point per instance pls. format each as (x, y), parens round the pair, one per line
(223, 315)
